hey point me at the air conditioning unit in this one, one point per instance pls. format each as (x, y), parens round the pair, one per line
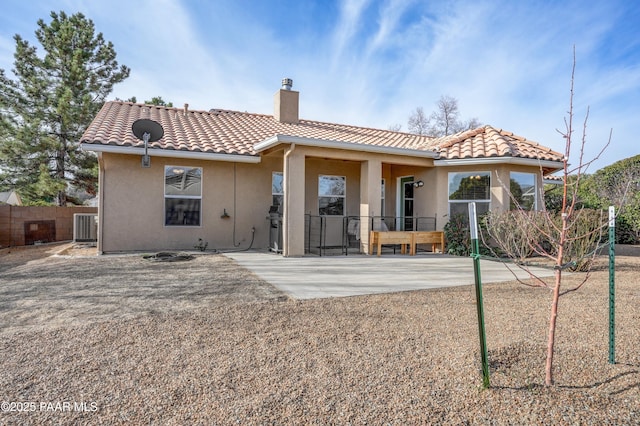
(85, 227)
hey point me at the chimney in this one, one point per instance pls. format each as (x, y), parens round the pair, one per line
(285, 103)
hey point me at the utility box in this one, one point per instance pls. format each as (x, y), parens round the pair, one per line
(85, 227)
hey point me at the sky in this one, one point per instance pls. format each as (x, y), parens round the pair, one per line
(372, 63)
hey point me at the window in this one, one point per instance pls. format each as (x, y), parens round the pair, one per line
(331, 195)
(466, 187)
(523, 191)
(277, 191)
(182, 195)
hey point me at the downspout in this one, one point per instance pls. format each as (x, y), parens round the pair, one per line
(101, 205)
(285, 211)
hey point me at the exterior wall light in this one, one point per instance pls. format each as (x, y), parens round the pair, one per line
(418, 184)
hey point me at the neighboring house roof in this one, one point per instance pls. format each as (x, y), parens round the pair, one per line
(553, 180)
(238, 133)
(10, 197)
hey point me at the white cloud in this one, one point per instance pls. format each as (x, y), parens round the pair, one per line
(349, 20)
(370, 63)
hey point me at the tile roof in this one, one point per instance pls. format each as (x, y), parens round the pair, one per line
(487, 141)
(233, 132)
(227, 132)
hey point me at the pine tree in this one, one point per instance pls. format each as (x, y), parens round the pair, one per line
(49, 104)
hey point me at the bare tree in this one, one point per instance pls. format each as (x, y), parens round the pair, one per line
(473, 123)
(442, 122)
(446, 117)
(395, 127)
(567, 239)
(418, 122)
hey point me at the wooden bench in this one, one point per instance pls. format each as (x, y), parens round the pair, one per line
(378, 238)
(427, 237)
(406, 238)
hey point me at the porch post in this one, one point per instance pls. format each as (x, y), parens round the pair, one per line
(370, 197)
(293, 177)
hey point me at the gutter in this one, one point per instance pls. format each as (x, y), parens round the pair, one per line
(195, 155)
(556, 165)
(335, 144)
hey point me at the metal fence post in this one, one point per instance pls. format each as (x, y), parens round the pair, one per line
(612, 285)
(475, 253)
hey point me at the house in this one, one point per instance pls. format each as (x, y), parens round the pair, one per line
(225, 176)
(10, 197)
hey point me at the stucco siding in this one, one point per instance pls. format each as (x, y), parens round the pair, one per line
(134, 204)
(132, 213)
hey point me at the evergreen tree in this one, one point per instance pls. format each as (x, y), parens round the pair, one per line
(157, 100)
(49, 104)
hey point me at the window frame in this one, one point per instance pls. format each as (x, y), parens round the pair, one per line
(343, 196)
(277, 194)
(479, 201)
(534, 176)
(167, 196)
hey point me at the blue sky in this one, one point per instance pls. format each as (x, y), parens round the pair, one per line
(371, 63)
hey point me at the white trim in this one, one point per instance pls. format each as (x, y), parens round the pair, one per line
(499, 160)
(400, 213)
(467, 201)
(181, 197)
(154, 152)
(334, 144)
(535, 187)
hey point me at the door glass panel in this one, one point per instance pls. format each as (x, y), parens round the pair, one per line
(406, 204)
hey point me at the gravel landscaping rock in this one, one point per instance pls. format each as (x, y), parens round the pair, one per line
(206, 342)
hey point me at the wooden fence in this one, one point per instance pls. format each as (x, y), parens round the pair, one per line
(23, 225)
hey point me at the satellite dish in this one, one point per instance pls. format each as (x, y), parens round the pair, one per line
(147, 131)
(144, 127)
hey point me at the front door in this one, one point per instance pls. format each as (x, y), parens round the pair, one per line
(405, 221)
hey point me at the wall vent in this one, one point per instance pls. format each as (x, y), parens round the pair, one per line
(85, 227)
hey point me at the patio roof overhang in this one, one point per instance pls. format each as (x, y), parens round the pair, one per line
(154, 152)
(335, 144)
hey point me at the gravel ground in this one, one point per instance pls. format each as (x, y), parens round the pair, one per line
(238, 352)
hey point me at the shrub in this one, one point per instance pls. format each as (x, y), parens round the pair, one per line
(456, 234)
(520, 235)
(458, 238)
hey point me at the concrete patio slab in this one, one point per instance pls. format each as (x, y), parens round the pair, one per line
(339, 276)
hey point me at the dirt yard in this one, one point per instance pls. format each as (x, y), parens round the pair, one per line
(122, 340)
(69, 285)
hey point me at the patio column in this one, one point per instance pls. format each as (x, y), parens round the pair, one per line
(370, 197)
(293, 177)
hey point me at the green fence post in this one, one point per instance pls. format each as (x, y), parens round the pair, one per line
(612, 285)
(475, 253)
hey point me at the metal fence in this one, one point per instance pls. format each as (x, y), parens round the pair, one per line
(340, 235)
